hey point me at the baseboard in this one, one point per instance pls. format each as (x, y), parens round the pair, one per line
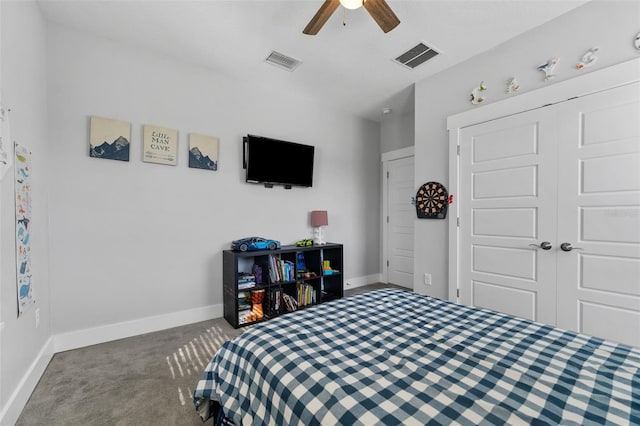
(106, 333)
(18, 399)
(362, 281)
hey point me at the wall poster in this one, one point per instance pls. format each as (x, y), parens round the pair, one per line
(203, 152)
(160, 145)
(23, 228)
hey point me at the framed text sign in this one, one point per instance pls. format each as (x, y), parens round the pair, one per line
(160, 145)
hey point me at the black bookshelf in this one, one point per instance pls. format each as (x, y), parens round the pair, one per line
(273, 277)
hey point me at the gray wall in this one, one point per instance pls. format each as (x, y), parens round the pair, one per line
(133, 240)
(397, 131)
(117, 242)
(24, 91)
(609, 25)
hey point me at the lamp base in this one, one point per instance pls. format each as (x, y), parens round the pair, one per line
(318, 236)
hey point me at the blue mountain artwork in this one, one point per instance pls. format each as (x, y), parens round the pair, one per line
(199, 161)
(116, 150)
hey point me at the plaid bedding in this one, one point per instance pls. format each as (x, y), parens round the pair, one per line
(395, 357)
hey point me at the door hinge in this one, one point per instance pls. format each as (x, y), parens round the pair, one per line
(387, 219)
(458, 221)
(387, 263)
(387, 175)
(457, 292)
(458, 149)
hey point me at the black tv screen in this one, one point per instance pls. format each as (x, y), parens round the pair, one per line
(277, 162)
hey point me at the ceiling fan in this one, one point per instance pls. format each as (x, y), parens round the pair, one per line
(378, 9)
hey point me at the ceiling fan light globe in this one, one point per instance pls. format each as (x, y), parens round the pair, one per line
(351, 4)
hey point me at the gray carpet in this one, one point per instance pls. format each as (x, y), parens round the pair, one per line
(142, 380)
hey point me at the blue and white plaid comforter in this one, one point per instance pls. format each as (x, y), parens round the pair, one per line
(395, 357)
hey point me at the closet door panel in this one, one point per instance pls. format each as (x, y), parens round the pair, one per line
(599, 214)
(507, 208)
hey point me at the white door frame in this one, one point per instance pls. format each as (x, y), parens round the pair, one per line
(384, 225)
(606, 78)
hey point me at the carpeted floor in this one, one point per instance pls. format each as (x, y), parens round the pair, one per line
(142, 380)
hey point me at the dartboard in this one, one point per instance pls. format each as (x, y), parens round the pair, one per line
(432, 201)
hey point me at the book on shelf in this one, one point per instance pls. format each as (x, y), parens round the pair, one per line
(273, 303)
(244, 316)
(290, 303)
(280, 270)
(306, 294)
(273, 274)
(246, 281)
(244, 277)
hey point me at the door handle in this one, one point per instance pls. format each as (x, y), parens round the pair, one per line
(545, 245)
(567, 247)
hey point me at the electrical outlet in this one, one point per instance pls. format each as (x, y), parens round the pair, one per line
(427, 279)
(37, 317)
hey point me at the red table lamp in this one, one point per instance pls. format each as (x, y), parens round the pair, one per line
(319, 218)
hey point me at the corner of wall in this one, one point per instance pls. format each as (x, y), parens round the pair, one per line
(15, 403)
(356, 282)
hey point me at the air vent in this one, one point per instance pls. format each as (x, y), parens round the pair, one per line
(282, 61)
(415, 56)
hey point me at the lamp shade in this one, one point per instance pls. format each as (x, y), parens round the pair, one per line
(319, 218)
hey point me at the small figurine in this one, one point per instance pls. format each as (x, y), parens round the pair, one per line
(475, 94)
(512, 86)
(588, 58)
(547, 68)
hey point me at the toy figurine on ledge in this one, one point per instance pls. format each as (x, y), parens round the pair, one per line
(307, 242)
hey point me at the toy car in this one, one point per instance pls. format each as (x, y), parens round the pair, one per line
(304, 243)
(254, 243)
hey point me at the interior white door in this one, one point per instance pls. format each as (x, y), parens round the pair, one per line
(507, 184)
(599, 215)
(401, 215)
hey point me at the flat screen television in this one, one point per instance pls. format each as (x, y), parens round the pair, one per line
(276, 162)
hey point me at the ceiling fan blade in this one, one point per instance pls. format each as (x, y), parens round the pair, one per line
(382, 14)
(321, 16)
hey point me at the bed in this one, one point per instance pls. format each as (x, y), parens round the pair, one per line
(396, 357)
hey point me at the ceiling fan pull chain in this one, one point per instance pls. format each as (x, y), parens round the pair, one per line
(344, 18)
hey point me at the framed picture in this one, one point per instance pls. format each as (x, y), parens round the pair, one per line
(109, 139)
(160, 145)
(203, 152)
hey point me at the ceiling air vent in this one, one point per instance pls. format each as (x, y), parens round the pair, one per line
(283, 61)
(415, 56)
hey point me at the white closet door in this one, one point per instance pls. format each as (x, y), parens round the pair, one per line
(400, 188)
(507, 206)
(599, 213)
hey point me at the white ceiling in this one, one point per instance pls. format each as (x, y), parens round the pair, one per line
(349, 67)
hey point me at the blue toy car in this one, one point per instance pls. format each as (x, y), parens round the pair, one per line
(254, 243)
